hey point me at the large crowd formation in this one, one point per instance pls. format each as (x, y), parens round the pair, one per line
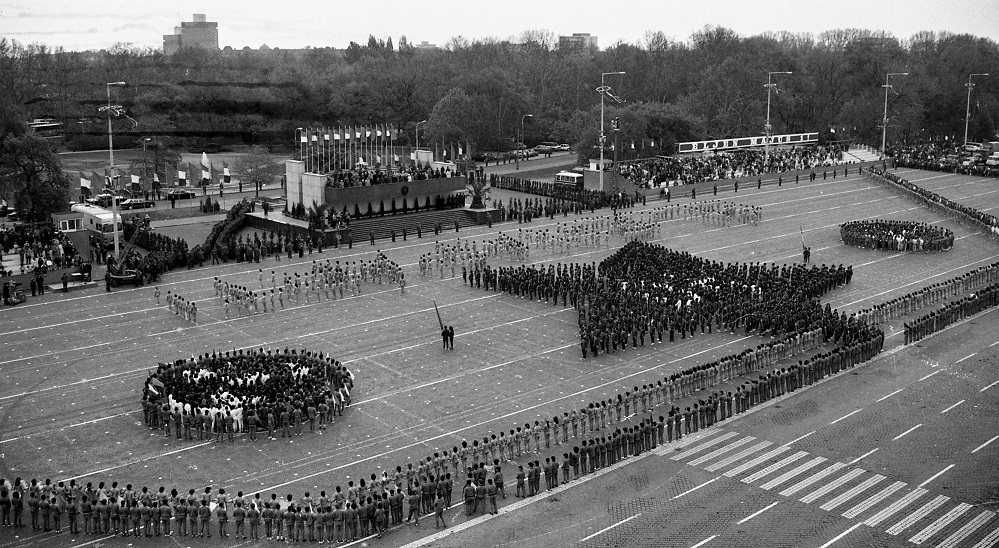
(946, 156)
(896, 235)
(39, 248)
(689, 169)
(950, 313)
(362, 175)
(239, 392)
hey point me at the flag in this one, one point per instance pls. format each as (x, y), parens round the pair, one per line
(336, 136)
(225, 175)
(84, 183)
(396, 156)
(181, 178)
(136, 180)
(326, 136)
(378, 159)
(206, 173)
(305, 138)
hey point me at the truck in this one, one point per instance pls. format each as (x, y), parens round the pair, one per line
(98, 221)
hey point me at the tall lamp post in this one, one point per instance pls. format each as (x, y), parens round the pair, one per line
(768, 129)
(417, 159)
(521, 141)
(116, 110)
(605, 90)
(967, 112)
(884, 119)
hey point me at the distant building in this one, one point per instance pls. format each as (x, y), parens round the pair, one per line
(579, 41)
(424, 45)
(198, 33)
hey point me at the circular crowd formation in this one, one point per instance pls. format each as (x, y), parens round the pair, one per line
(240, 384)
(883, 234)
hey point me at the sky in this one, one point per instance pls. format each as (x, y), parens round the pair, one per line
(80, 25)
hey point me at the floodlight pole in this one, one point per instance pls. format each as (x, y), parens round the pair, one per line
(967, 112)
(884, 119)
(603, 138)
(768, 129)
(114, 183)
(417, 159)
(517, 157)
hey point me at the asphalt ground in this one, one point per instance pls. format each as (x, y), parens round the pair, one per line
(71, 369)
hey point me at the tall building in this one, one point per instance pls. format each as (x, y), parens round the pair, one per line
(198, 33)
(578, 41)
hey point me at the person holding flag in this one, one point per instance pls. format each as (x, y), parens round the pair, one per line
(806, 252)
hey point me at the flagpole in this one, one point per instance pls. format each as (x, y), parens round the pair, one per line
(441, 322)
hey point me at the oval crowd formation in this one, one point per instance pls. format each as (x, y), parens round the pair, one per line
(889, 235)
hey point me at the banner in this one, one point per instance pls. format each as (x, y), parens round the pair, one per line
(747, 142)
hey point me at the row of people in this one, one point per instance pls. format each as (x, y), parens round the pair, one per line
(950, 313)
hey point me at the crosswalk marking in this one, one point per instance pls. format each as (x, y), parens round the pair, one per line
(865, 485)
(967, 530)
(718, 452)
(774, 467)
(874, 499)
(703, 446)
(940, 523)
(831, 486)
(741, 454)
(912, 518)
(989, 541)
(755, 462)
(808, 481)
(894, 507)
(792, 473)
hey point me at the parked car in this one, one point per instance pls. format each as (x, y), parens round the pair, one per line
(563, 147)
(181, 194)
(137, 203)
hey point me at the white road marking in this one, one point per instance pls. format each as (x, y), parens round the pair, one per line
(775, 466)
(847, 415)
(966, 531)
(896, 438)
(832, 485)
(873, 500)
(863, 486)
(919, 514)
(604, 530)
(792, 473)
(952, 407)
(862, 457)
(882, 398)
(813, 479)
(801, 438)
(937, 475)
(705, 445)
(758, 512)
(982, 446)
(964, 358)
(940, 523)
(989, 386)
(930, 375)
(895, 507)
(687, 492)
(703, 542)
(758, 460)
(718, 452)
(841, 535)
(732, 458)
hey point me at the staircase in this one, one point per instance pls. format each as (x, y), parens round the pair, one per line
(382, 227)
(863, 153)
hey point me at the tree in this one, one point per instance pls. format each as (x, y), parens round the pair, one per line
(30, 172)
(256, 168)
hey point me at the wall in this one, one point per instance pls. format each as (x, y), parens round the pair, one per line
(293, 170)
(362, 195)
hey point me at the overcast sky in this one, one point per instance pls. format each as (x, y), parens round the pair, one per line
(98, 24)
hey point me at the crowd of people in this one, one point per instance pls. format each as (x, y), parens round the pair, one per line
(363, 175)
(178, 305)
(39, 247)
(885, 234)
(563, 199)
(951, 312)
(689, 169)
(243, 391)
(979, 220)
(898, 307)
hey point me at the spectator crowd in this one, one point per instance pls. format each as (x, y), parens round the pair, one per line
(883, 234)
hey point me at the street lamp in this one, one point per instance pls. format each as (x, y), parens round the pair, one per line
(768, 129)
(144, 159)
(521, 141)
(117, 110)
(604, 90)
(884, 119)
(418, 140)
(967, 112)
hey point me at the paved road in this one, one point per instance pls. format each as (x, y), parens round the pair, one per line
(72, 367)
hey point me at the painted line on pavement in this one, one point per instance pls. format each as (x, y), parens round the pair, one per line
(687, 492)
(758, 512)
(847, 415)
(989, 386)
(705, 541)
(801, 438)
(952, 407)
(930, 375)
(937, 475)
(160, 455)
(993, 344)
(841, 535)
(964, 358)
(890, 395)
(604, 530)
(862, 457)
(896, 438)
(984, 445)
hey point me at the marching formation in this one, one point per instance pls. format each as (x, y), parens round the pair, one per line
(896, 235)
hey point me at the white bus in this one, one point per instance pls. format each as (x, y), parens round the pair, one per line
(569, 180)
(97, 221)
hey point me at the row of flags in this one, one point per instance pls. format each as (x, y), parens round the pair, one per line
(180, 175)
(328, 149)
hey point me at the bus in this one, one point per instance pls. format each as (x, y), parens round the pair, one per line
(569, 180)
(98, 221)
